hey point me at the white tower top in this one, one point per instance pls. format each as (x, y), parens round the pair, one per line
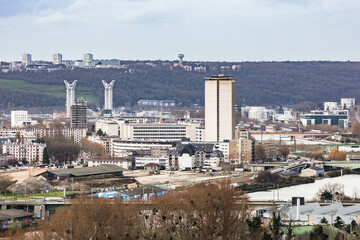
(70, 95)
(108, 96)
(181, 57)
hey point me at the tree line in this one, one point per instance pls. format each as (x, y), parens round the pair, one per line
(257, 83)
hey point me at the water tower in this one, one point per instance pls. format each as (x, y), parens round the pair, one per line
(181, 56)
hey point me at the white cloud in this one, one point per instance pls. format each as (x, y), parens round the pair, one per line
(203, 29)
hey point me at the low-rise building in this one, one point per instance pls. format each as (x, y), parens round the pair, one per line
(312, 172)
(144, 160)
(20, 119)
(118, 161)
(121, 148)
(152, 167)
(107, 126)
(82, 172)
(190, 155)
(336, 117)
(11, 216)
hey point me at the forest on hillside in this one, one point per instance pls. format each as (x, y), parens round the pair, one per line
(257, 83)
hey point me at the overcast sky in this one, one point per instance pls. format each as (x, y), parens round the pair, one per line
(207, 30)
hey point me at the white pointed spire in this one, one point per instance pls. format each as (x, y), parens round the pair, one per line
(70, 95)
(108, 103)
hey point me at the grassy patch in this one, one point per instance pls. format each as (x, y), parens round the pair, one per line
(53, 90)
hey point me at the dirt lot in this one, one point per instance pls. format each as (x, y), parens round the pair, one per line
(20, 175)
(179, 178)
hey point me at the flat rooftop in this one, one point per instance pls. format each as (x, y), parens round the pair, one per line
(14, 213)
(87, 171)
(220, 77)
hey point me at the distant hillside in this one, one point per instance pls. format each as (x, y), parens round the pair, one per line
(271, 83)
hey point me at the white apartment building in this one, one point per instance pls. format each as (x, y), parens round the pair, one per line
(224, 148)
(214, 161)
(287, 116)
(107, 126)
(347, 103)
(118, 161)
(186, 161)
(19, 118)
(32, 152)
(330, 106)
(219, 108)
(142, 161)
(200, 134)
(120, 148)
(75, 134)
(259, 113)
(157, 131)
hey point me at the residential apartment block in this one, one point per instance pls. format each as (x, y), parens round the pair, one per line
(31, 152)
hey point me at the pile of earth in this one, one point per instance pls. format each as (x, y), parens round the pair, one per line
(30, 186)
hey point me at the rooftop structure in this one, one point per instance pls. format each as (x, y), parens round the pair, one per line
(82, 172)
(347, 103)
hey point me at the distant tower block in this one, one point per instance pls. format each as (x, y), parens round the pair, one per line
(57, 58)
(26, 59)
(70, 96)
(181, 57)
(108, 103)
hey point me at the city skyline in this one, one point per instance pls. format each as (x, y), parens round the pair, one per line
(257, 30)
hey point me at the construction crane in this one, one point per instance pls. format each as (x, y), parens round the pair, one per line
(156, 116)
(161, 120)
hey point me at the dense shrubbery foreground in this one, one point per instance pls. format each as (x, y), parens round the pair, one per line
(210, 211)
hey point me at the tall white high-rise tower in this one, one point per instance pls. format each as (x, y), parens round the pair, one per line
(219, 108)
(57, 58)
(26, 59)
(70, 96)
(108, 103)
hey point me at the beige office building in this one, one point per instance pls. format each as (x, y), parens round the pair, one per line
(219, 108)
(241, 151)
